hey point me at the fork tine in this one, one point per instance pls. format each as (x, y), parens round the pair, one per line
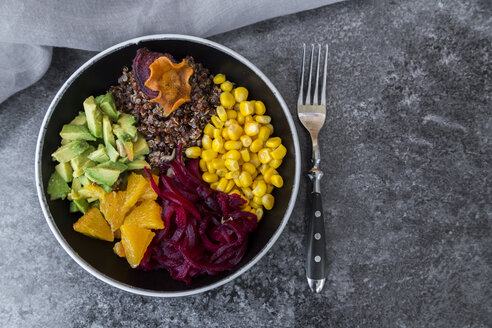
(301, 84)
(315, 100)
(323, 89)
(308, 95)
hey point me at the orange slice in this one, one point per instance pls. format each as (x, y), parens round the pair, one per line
(112, 208)
(135, 240)
(92, 224)
(146, 215)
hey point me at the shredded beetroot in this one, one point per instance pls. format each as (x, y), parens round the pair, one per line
(205, 231)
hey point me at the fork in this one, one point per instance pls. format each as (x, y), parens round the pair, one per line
(312, 115)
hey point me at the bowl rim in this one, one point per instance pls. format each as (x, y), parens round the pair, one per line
(44, 204)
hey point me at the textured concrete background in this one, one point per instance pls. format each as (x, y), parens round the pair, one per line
(407, 193)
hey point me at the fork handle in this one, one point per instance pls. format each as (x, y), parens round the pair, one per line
(316, 257)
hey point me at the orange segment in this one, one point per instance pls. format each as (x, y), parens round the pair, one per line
(92, 191)
(92, 224)
(135, 188)
(119, 249)
(146, 215)
(171, 80)
(135, 241)
(111, 207)
(149, 193)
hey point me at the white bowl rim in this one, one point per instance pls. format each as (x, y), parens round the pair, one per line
(80, 260)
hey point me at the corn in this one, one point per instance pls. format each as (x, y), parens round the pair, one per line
(226, 86)
(209, 130)
(280, 152)
(260, 108)
(268, 201)
(275, 163)
(230, 185)
(214, 185)
(259, 213)
(237, 182)
(230, 145)
(206, 142)
(221, 172)
(251, 128)
(241, 94)
(248, 194)
(240, 118)
(222, 114)
(234, 131)
(248, 118)
(210, 167)
(270, 126)
(217, 122)
(224, 134)
(270, 188)
(263, 168)
(218, 163)
(222, 184)
(264, 133)
(203, 165)
(254, 160)
(246, 140)
(232, 175)
(219, 78)
(257, 200)
(231, 114)
(250, 168)
(247, 108)
(232, 154)
(247, 209)
(232, 164)
(218, 144)
(265, 156)
(260, 189)
(277, 181)
(217, 133)
(255, 206)
(256, 146)
(245, 179)
(229, 122)
(193, 152)
(208, 154)
(236, 107)
(263, 119)
(245, 155)
(273, 142)
(227, 99)
(234, 191)
(210, 177)
(268, 174)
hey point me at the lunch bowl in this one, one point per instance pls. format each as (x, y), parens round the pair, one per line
(95, 77)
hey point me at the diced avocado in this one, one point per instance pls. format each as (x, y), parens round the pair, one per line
(124, 160)
(80, 119)
(76, 132)
(122, 133)
(129, 149)
(99, 155)
(126, 120)
(82, 161)
(106, 188)
(73, 207)
(94, 117)
(83, 180)
(120, 146)
(98, 99)
(65, 171)
(138, 164)
(108, 132)
(112, 153)
(117, 166)
(71, 150)
(82, 205)
(76, 184)
(108, 107)
(65, 141)
(140, 147)
(102, 175)
(57, 187)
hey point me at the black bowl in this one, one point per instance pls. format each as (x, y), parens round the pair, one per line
(94, 77)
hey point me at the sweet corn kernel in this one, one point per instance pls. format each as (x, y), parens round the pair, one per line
(259, 213)
(268, 174)
(275, 163)
(222, 114)
(219, 78)
(247, 108)
(234, 131)
(251, 128)
(260, 108)
(260, 189)
(254, 160)
(270, 126)
(247, 192)
(257, 200)
(217, 122)
(248, 118)
(214, 185)
(268, 201)
(270, 188)
(240, 94)
(224, 134)
(245, 179)
(277, 181)
(206, 142)
(210, 167)
(217, 144)
(246, 140)
(221, 172)
(234, 191)
(230, 122)
(217, 133)
(232, 175)
(209, 130)
(263, 119)
(231, 114)
(245, 155)
(255, 206)
(236, 107)
(230, 185)
(208, 154)
(222, 184)
(264, 155)
(218, 163)
(210, 177)
(227, 99)
(247, 209)
(203, 165)
(250, 168)
(256, 146)
(240, 118)
(232, 164)
(230, 145)
(273, 142)
(193, 152)
(226, 86)
(263, 168)
(232, 154)
(280, 152)
(264, 133)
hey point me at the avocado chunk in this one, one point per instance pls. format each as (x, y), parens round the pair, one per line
(117, 166)
(106, 188)
(73, 208)
(102, 175)
(69, 151)
(82, 205)
(126, 120)
(112, 153)
(82, 161)
(65, 171)
(108, 106)
(123, 133)
(76, 184)
(79, 119)
(98, 99)
(76, 132)
(108, 136)
(57, 187)
(99, 155)
(94, 117)
(83, 180)
(140, 147)
(120, 146)
(138, 164)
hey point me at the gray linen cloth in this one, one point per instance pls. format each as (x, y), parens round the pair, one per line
(30, 28)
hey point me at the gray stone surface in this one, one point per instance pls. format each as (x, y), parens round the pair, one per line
(407, 151)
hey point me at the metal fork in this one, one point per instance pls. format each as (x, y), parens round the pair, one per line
(312, 115)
